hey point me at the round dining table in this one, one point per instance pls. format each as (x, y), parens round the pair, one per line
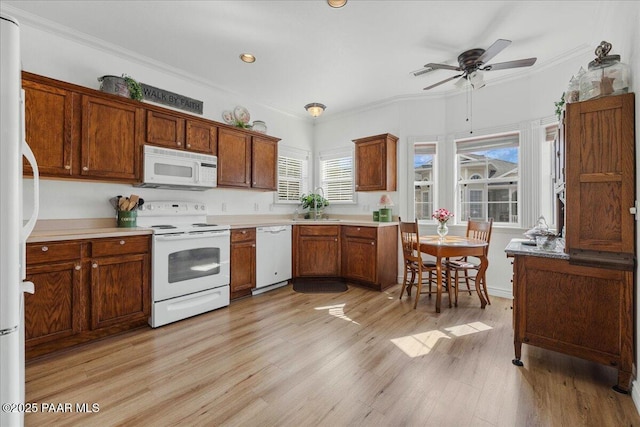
(454, 247)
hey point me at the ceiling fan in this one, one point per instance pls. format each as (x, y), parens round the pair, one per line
(474, 60)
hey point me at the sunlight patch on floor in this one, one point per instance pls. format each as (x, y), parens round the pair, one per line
(468, 328)
(417, 345)
(337, 310)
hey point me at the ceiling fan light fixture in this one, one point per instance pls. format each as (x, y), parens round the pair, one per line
(336, 4)
(248, 58)
(477, 80)
(315, 108)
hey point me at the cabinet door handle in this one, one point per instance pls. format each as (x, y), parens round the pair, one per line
(67, 167)
(78, 267)
(122, 242)
(335, 240)
(179, 143)
(84, 168)
(188, 145)
(45, 248)
(244, 231)
(373, 243)
(253, 246)
(94, 265)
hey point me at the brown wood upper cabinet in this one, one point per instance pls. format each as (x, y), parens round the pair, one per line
(173, 131)
(110, 134)
(376, 163)
(246, 160)
(49, 114)
(600, 173)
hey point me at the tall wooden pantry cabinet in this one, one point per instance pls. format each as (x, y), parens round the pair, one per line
(584, 305)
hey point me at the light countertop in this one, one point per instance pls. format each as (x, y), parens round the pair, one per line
(517, 247)
(71, 229)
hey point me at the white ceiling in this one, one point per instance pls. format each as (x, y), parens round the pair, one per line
(306, 51)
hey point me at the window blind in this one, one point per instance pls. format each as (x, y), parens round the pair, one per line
(467, 146)
(336, 176)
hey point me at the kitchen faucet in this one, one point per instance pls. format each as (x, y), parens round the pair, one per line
(315, 202)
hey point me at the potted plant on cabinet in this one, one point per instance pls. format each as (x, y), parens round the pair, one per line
(123, 86)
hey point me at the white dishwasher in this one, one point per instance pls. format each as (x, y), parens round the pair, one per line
(273, 257)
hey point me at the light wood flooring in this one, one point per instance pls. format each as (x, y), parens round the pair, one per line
(358, 358)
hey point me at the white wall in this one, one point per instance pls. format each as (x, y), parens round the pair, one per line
(73, 59)
(520, 103)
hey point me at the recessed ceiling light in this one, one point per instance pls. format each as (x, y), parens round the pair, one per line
(247, 57)
(337, 3)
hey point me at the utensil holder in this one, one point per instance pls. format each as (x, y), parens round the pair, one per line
(376, 216)
(127, 219)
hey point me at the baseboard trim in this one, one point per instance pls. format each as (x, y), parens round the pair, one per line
(635, 395)
(259, 291)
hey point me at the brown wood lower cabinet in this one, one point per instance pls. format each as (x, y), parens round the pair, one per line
(316, 251)
(370, 255)
(84, 290)
(243, 262)
(364, 255)
(582, 311)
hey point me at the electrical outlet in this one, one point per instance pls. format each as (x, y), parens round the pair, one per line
(224, 207)
(256, 207)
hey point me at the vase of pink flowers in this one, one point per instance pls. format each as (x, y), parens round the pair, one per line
(442, 216)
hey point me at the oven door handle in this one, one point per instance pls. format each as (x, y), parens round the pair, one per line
(188, 236)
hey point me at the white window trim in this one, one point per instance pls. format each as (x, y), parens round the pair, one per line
(470, 144)
(294, 153)
(413, 141)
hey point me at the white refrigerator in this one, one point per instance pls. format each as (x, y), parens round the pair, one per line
(13, 229)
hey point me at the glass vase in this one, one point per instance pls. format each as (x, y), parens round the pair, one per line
(442, 230)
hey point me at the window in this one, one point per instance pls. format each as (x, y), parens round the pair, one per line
(488, 177)
(293, 174)
(423, 164)
(336, 176)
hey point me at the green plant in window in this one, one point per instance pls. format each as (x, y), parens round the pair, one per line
(313, 201)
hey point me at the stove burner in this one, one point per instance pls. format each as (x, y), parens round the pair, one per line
(163, 226)
(202, 224)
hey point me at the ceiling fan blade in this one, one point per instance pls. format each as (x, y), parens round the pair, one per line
(510, 64)
(421, 71)
(442, 67)
(442, 82)
(493, 50)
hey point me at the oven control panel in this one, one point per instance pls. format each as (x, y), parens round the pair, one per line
(172, 208)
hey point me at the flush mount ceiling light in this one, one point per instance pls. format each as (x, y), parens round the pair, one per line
(315, 108)
(336, 4)
(247, 57)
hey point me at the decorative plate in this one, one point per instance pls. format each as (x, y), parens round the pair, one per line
(227, 116)
(241, 114)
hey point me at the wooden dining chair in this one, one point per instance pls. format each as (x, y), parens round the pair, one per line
(463, 270)
(414, 266)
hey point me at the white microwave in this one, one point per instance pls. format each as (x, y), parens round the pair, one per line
(176, 169)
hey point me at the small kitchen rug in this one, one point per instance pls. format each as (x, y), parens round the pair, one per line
(319, 286)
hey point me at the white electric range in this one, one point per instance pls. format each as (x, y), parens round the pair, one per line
(190, 260)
